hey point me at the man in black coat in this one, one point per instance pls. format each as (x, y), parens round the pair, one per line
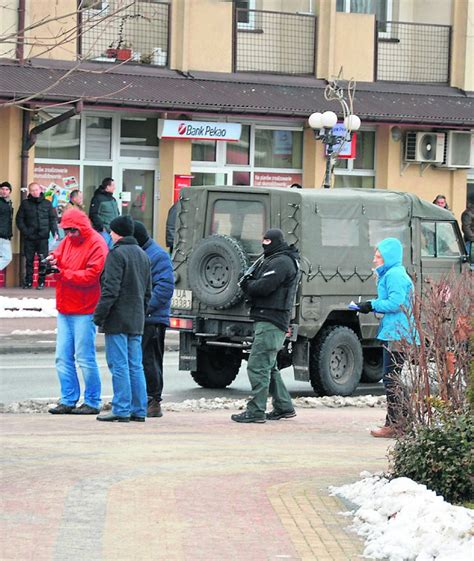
(120, 314)
(271, 288)
(36, 219)
(6, 220)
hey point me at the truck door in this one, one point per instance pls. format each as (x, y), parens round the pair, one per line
(441, 249)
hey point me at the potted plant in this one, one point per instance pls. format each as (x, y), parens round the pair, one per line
(124, 52)
(120, 50)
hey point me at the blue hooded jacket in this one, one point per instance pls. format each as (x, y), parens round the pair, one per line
(162, 284)
(394, 293)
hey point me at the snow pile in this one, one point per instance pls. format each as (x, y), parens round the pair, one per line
(27, 307)
(401, 520)
(34, 331)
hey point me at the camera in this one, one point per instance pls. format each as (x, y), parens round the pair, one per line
(45, 267)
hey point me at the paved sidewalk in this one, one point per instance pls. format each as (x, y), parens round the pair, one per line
(187, 487)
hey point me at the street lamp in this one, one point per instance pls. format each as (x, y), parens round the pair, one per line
(323, 126)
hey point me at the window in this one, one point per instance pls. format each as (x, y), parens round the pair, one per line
(438, 239)
(243, 220)
(339, 232)
(204, 151)
(60, 142)
(245, 17)
(98, 138)
(278, 148)
(238, 153)
(381, 8)
(138, 137)
(358, 172)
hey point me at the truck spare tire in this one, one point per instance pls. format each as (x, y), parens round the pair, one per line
(214, 268)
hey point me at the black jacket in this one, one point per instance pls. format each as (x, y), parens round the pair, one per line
(103, 210)
(36, 218)
(467, 223)
(126, 289)
(171, 225)
(6, 219)
(273, 287)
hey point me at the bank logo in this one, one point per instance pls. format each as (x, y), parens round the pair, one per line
(182, 129)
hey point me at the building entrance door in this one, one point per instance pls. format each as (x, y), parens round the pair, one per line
(137, 195)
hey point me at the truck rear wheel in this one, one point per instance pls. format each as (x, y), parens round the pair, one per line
(372, 370)
(336, 361)
(216, 368)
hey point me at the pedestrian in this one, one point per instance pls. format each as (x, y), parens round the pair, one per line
(171, 226)
(6, 225)
(80, 259)
(394, 301)
(157, 317)
(104, 208)
(120, 314)
(75, 200)
(36, 219)
(467, 224)
(271, 288)
(441, 201)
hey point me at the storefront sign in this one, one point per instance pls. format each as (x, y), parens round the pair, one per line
(270, 179)
(199, 130)
(180, 181)
(348, 149)
(57, 182)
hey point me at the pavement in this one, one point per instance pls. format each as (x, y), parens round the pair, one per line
(186, 487)
(44, 340)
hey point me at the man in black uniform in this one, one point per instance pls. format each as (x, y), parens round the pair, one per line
(271, 288)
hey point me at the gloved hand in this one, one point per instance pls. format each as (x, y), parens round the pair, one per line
(365, 307)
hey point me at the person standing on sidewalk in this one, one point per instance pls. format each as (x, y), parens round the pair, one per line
(394, 301)
(157, 317)
(120, 314)
(80, 259)
(6, 222)
(75, 200)
(271, 288)
(104, 209)
(467, 224)
(36, 219)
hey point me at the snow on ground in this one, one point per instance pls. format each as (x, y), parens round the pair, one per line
(401, 520)
(27, 307)
(203, 404)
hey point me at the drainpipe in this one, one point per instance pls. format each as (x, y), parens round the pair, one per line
(24, 151)
(20, 42)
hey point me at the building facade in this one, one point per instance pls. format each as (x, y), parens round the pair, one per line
(152, 93)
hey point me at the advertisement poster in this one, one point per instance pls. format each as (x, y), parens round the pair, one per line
(180, 181)
(57, 182)
(270, 179)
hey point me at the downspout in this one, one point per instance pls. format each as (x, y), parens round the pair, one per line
(20, 43)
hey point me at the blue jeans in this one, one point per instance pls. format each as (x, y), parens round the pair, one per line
(75, 343)
(124, 359)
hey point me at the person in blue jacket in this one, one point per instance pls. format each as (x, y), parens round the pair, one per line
(157, 317)
(394, 301)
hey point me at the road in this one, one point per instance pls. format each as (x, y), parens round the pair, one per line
(33, 376)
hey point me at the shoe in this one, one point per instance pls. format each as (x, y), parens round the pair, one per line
(27, 285)
(61, 409)
(154, 409)
(40, 286)
(85, 409)
(111, 418)
(385, 432)
(137, 419)
(246, 417)
(277, 415)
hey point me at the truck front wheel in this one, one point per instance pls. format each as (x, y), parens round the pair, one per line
(216, 368)
(335, 361)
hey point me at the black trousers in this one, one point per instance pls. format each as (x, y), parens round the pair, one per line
(153, 348)
(392, 369)
(30, 249)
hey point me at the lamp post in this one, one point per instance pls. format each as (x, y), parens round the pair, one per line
(323, 126)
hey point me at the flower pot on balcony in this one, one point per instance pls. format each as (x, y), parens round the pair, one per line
(124, 54)
(111, 53)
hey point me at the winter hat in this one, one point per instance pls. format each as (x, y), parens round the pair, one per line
(122, 225)
(277, 240)
(140, 233)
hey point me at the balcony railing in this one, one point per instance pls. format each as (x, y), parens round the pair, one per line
(119, 31)
(274, 42)
(412, 52)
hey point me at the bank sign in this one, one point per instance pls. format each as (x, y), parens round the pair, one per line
(199, 130)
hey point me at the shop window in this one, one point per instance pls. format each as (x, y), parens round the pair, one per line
(339, 232)
(242, 220)
(203, 150)
(360, 171)
(138, 137)
(92, 178)
(238, 153)
(278, 148)
(61, 142)
(98, 138)
(241, 178)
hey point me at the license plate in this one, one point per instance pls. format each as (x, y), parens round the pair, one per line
(182, 299)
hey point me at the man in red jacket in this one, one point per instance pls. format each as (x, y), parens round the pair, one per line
(79, 259)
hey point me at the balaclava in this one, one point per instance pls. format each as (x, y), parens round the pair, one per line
(277, 239)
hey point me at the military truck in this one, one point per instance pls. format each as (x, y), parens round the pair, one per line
(218, 235)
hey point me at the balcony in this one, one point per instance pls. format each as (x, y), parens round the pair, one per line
(274, 42)
(117, 31)
(412, 52)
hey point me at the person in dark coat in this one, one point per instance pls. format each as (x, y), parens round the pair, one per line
(171, 226)
(120, 314)
(104, 208)
(36, 219)
(271, 289)
(467, 224)
(6, 222)
(157, 317)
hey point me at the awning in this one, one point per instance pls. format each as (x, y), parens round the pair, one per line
(139, 86)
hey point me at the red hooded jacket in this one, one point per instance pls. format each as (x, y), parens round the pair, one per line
(80, 263)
